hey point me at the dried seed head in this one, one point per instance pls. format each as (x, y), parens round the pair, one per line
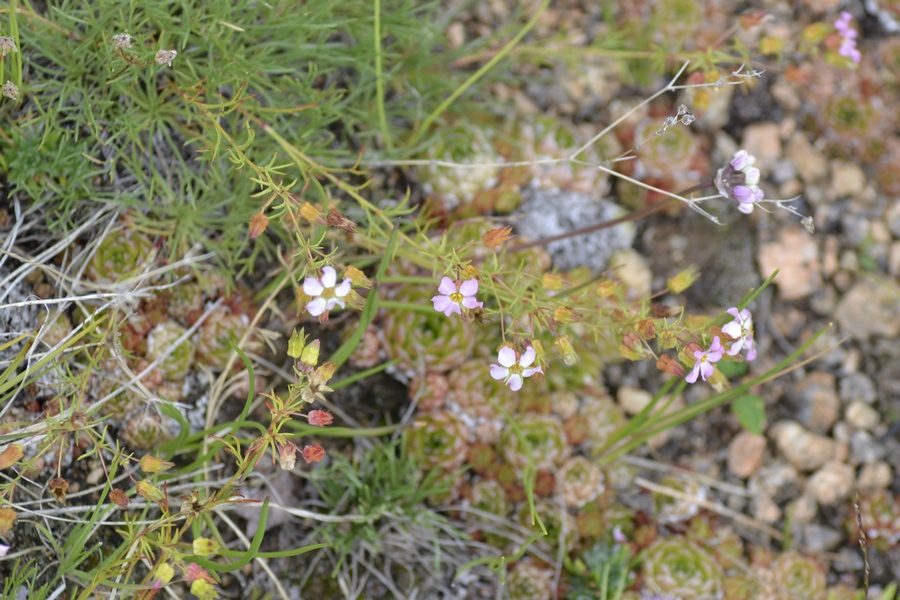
(121, 41)
(10, 90)
(7, 45)
(165, 56)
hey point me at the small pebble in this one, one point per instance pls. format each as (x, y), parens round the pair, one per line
(806, 451)
(832, 483)
(864, 448)
(746, 453)
(778, 480)
(861, 415)
(817, 400)
(802, 510)
(764, 509)
(875, 476)
(870, 308)
(633, 400)
(858, 386)
(819, 538)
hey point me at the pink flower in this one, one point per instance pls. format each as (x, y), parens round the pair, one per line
(454, 297)
(848, 37)
(739, 181)
(703, 366)
(514, 369)
(741, 329)
(324, 293)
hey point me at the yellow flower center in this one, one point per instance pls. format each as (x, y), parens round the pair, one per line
(456, 297)
(328, 293)
(516, 369)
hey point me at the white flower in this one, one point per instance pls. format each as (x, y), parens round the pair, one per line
(741, 330)
(326, 295)
(514, 369)
(455, 297)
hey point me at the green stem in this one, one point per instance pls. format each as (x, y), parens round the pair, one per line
(379, 81)
(479, 73)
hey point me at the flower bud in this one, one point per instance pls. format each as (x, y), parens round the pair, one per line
(646, 328)
(683, 280)
(320, 418)
(118, 497)
(296, 344)
(553, 281)
(357, 278)
(323, 374)
(258, 224)
(495, 237)
(336, 219)
(163, 575)
(470, 272)
(152, 464)
(564, 314)
(606, 289)
(310, 354)
(58, 487)
(564, 346)
(313, 454)
(667, 364)
(10, 456)
(149, 492)
(7, 516)
(205, 546)
(312, 214)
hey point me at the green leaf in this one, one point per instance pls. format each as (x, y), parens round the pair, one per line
(751, 412)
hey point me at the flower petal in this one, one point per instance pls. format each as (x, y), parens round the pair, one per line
(506, 356)
(498, 372)
(441, 303)
(343, 289)
(470, 302)
(528, 357)
(692, 376)
(716, 346)
(447, 286)
(515, 382)
(531, 371)
(332, 302)
(745, 208)
(316, 307)
(453, 308)
(329, 277)
(751, 350)
(732, 330)
(312, 287)
(735, 347)
(733, 311)
(706, 370)
(469, 288)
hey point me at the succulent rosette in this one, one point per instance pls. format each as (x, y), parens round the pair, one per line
(464, 144)
(880, 515)
(680, 567)
(220, 327)
(146, 429)
(185, 301)
(103, 383)
(797, 576)
(425, 341)
(438, 440)
(119, 256)
(180, 360)
(601, 417)
(527, 581)
(670, 509)
(537, 439)
(477, 395)
(579, 481)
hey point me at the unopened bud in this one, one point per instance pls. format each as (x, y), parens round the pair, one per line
(667, 364)
(667, 339)
(606, 289)
(313, 454)
(152, 464)
(205, 546)
(646, 328)
(118, 497)
(336, 219)
(470, 272)
(296, 344)
(11, 455)
(564, 346)
(320, 418)
(310, 354)
(149, 492)
(312, 214)
(683, 280)
(553, 281)
(258, 224)
(564, 314)
(323, 374)
(357, 278)
(495, 237)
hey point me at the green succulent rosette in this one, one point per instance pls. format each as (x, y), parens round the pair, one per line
(464, 144)
(602, 417)
(670, 509)
(797, 576)
(120, 405)
(426, 341)
(145, 430)
(437, 440)
(681, 568)
(579, 481)
(119, 256)
(477, 395)
(185, 301)
(527, 581)
(163, 337)
(535, 439)
(222, 326)
(880, 515)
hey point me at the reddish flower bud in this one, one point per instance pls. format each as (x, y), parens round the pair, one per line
(313, 454)
(258, 224)
(667, 364)
(320, 418)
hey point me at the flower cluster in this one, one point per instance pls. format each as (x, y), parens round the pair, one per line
(739, 181)
(740, 330)
(848, 37)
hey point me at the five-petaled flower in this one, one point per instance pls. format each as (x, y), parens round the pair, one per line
(325, 292)
(703, 366)
(513, 369)
(455, 297)
(739, 181)
(848, 37)
(741, 330)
